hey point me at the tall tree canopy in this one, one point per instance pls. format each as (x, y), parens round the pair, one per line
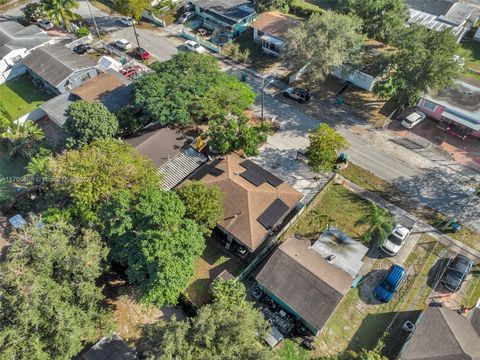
(203, 204)
(424, 62)
(60, 11)
(87, 122)
(381, 18)
(149, 234)
(235, 133)
(325, 143)
(190, 88)
(49, 302)
(323, 43)
(229, 329)
(87, 177)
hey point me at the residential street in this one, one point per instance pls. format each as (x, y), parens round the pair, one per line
(428, 178)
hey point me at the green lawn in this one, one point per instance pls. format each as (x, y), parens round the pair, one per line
(473, 292)
(337, 206)
(207, 267)
(20, 96)
(371, 182)
(470, 51)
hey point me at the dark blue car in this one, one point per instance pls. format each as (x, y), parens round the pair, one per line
(385, 290)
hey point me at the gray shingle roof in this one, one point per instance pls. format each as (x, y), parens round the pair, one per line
(54, 63)
(233, 10)
(442, 334)
(305, 281)
(15, 36)
(109, 349)
(437, 7)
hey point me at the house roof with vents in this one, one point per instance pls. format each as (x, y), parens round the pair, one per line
(305, 281)
(254, 202)
(109, 349)
(55, 63)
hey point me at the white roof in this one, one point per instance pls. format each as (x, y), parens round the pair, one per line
(348, 253)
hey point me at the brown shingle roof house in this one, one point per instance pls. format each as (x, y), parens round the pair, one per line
(443, 334)
(299, 277)
(275, 23)
(255, 202)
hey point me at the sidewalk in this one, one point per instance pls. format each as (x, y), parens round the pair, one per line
(421, 226)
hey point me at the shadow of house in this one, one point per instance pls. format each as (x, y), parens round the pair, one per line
(443, 334)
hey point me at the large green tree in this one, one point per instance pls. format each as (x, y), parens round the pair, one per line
(87, 177)
(323, 43)
(149, 234)
(379, 221)
(230, 328)
(190, 88)
(424, 61)
(60, 11)
(32, 12)
(235, 133)
(49, 302)
(381, 18)
(203, 204)
(87, 122)
(325, 143)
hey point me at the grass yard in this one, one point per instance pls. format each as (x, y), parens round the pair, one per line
(371, 182)
(336, 206)
(473, 292)
(360, 320)
(20, 96)
(470, 51)
(208, 266)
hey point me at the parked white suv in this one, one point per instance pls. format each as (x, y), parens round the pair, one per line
(45, 24)
(194, 46)
(413, 119)
(122, 44)
(395, 240)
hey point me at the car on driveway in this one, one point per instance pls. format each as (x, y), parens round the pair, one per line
(131, 71)
(194, 46)
(301, 95)
(456, 272)
(413, 119)
(395, 240)
(122, 44)
(185, 17)
(81, 49)
(127, 21)
(141, 53)
(385, 290)
(45, 24)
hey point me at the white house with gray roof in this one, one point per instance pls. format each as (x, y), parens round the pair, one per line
(59, 68)
(16, 42)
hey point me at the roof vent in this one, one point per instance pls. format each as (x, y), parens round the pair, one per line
(330, 258)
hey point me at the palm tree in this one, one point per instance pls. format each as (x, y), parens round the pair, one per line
(37, 172)
(379, 221)
(60, 11)
(22, 138)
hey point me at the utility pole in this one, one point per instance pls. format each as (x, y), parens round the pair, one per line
(263, 93)
(93, 18)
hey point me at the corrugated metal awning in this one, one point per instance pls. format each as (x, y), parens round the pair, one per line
(461, 120)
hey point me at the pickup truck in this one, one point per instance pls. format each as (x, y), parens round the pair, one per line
(393, 243)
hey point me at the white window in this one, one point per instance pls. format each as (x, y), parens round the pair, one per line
(85, 77)
(16, 59)
(429, 105)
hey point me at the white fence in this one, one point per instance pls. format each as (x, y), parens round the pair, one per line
(84, 40)
(35, 115)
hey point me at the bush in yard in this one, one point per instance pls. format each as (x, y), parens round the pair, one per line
(22, 138)
(268, 5)
(149, 234)
(380, 223)
(33, 12)
(50, 303)
(82, 32)
(230, 328)
(234, 133)
(203, 204)
(87, 122)
(325, 143)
